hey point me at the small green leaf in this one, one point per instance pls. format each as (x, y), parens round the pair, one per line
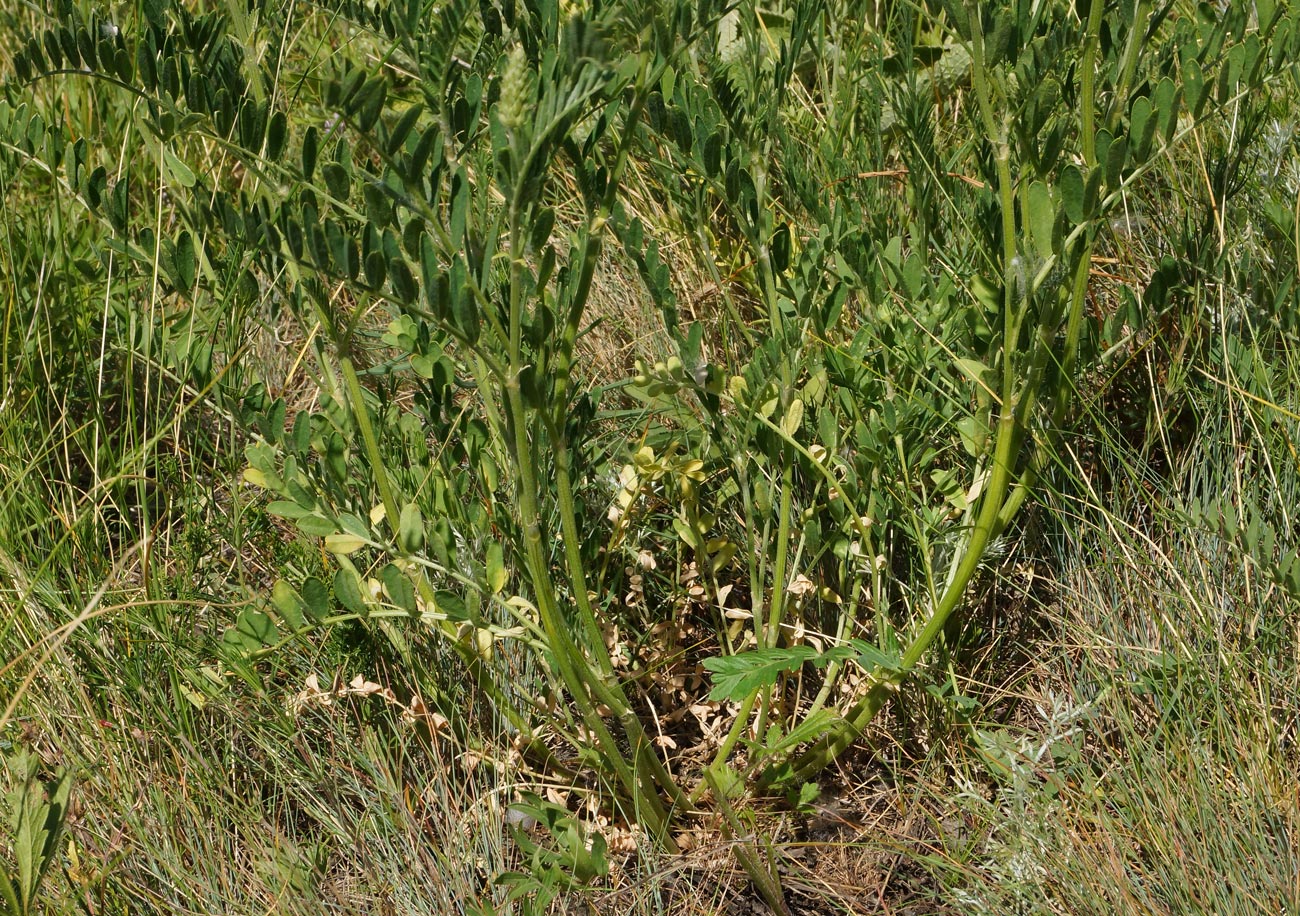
(316, 525)
(430, 274)
(793, 418)
(459, 206)
(374, 95)
(401, 281)
(464, 310)
(1070, 187)
(283, 508)
(1116, 156)
(96, 187)
(184, 261)
(687, 534)
(340, 543)
(780, 248)
(808, 793)
(1041, 217)
(376, 269)
(399, 588)
(123, 65)
(1139, 119)
(402, 129)
(496, 568)
(451, 605)
(310, 149)
(316, 598)
(543, 226)
(288, 605)
(1194, 87)
(179, 172)
(1165, 101)
(255, 630)
(277, 132)
(977, 372)
(260, 478)
(986, 293)
(410, 529)
(974, 435)
(155, 12)
(336, 180)
(348, 589)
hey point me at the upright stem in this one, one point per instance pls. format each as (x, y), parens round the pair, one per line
(1128, 65)
(1088, 84)
(588, 687)
(568, 657)
(470, 657)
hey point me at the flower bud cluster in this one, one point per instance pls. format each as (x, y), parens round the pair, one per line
(516, 90)
(670, 376)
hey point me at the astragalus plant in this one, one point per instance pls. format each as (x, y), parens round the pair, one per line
(900, 208)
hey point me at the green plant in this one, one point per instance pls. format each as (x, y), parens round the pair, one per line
(576, 860)
(38, 810)
(836, 460)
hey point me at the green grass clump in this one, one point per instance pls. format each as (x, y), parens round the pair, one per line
(1153, 771)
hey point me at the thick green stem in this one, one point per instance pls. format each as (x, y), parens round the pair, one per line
(1088, 85)
(764, 876)
(568, 657)
(1128, 65)
(588, 683)
(361, 415)
(776, 606)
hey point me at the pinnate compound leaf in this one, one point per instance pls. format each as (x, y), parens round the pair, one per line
(810, 729)
(872, 656)
(737, 676)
